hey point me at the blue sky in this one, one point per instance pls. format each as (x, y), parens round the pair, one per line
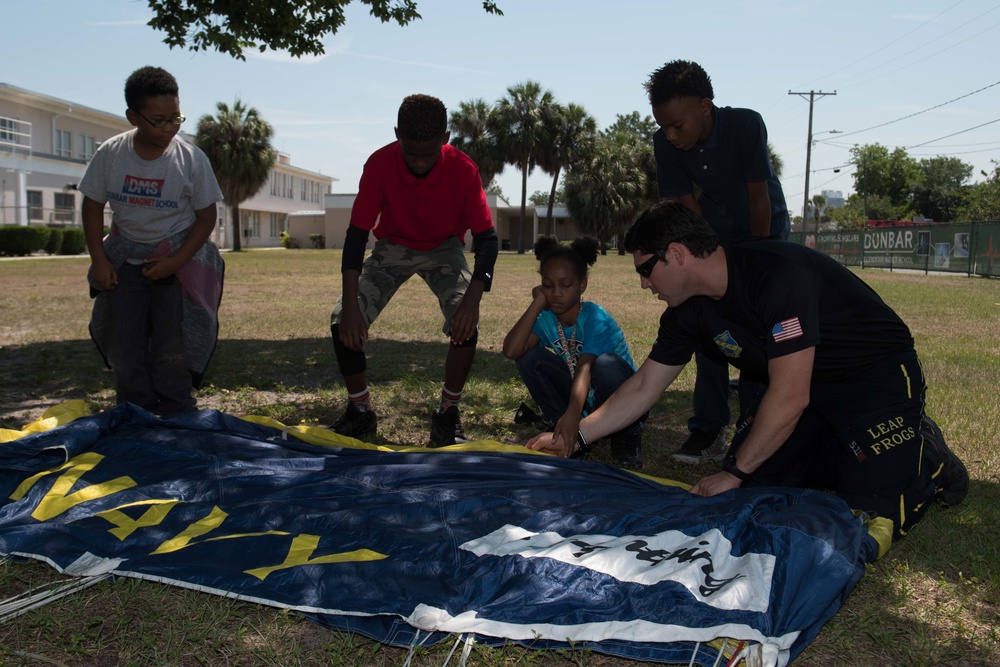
(891, 63)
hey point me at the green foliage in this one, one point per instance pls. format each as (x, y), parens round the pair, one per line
(568, 136)
(18, 240)
(318, 241)
(297, 26)
(472, 132)
(238, 144)
(54, 243)
(939, 189)
(288, 242)
(517, 123)
(983, 199)
(73, 241)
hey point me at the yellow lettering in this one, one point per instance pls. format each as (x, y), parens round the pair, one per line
(59, 499)
(126, 525)
(303, 547)
(196, 529)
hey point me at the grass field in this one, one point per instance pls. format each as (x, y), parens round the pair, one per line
(933, 600)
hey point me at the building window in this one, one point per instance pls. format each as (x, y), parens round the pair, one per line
(86, 147)
(289, 187)
(8, 130)
(62, 145)
(274, 184)
(34, 204)
(277, 224)
(305, 189)
(65, 203)
(251, 224)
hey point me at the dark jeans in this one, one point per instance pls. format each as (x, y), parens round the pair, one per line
(711, 394)
(547, 378)
(147, 349)
(860, 438)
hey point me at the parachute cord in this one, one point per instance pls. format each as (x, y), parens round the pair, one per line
(697, 645)
(415, 645)
(739, 654)
(452, 651)
(24, 602)
(467, 649)
(722, 652)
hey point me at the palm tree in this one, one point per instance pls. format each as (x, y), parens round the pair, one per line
(471, 134)
(818, 202)
(238, 144)
(776, 162)
(605, 192)
(570, 132)
(517, 123)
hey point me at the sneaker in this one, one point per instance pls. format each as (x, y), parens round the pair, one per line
(526, 415)
(702, 447)
(627, 450)
(952, 479)
(446, 428)
(356, 423)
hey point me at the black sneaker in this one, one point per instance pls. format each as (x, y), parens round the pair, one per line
(627, 450)
(356, 423)
(446, 428)
(702, 447)
(950, 476)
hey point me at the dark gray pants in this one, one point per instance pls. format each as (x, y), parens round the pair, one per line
(147, 349)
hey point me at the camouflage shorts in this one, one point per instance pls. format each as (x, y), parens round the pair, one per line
(443, 268)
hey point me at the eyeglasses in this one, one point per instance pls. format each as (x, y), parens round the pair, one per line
(160, 124)
(646, 268)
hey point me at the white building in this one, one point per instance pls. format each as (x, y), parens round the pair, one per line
(46, 144)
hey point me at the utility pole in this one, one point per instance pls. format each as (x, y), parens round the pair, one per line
(809, 142)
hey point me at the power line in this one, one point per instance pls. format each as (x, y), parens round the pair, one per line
(997, 120)
(937, 106)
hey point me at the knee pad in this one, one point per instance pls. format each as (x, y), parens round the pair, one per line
(472, 341)
(351, 362)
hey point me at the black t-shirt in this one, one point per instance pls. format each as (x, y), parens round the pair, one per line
(783, 298)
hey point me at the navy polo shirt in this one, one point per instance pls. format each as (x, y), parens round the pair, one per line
(734, 154)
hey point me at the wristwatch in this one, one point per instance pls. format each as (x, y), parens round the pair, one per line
(729, 465)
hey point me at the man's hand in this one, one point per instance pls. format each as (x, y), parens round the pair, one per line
(552, 444)
(353, 330)
(465, 320)
(715, 484)
(157, 268)
(104, 274)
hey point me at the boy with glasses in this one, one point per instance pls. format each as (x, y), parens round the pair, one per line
(156, 279)
(723, 151)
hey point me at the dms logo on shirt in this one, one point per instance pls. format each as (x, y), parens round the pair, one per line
(142, 187)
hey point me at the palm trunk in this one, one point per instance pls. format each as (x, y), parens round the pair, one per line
(524, 200)
(237, 237)
(552, 199)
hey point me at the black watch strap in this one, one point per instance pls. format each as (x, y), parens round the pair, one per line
(729, 465)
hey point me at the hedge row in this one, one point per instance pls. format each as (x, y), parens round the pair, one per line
(18, 241)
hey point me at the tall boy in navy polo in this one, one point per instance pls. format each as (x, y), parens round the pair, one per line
(722, 151)
(420, 195)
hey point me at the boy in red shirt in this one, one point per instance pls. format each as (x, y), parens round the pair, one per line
(423, 194)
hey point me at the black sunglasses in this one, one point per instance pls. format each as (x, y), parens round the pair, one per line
(646, 268)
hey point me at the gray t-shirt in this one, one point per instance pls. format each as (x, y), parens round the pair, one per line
(150, 199)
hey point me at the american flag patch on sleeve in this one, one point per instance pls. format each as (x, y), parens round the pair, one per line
(786, 329)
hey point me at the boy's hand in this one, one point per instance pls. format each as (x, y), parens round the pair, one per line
(565, 431)
(552, 444)
(157, 268)
(464, 321)
(104, 274)
(353, 330)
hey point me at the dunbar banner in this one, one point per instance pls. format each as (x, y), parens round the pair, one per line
(405, 546)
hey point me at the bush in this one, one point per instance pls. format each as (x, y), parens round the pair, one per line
(318, 241)
(16, 240)
(55, 241)
(73, 242)
(287, 241)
